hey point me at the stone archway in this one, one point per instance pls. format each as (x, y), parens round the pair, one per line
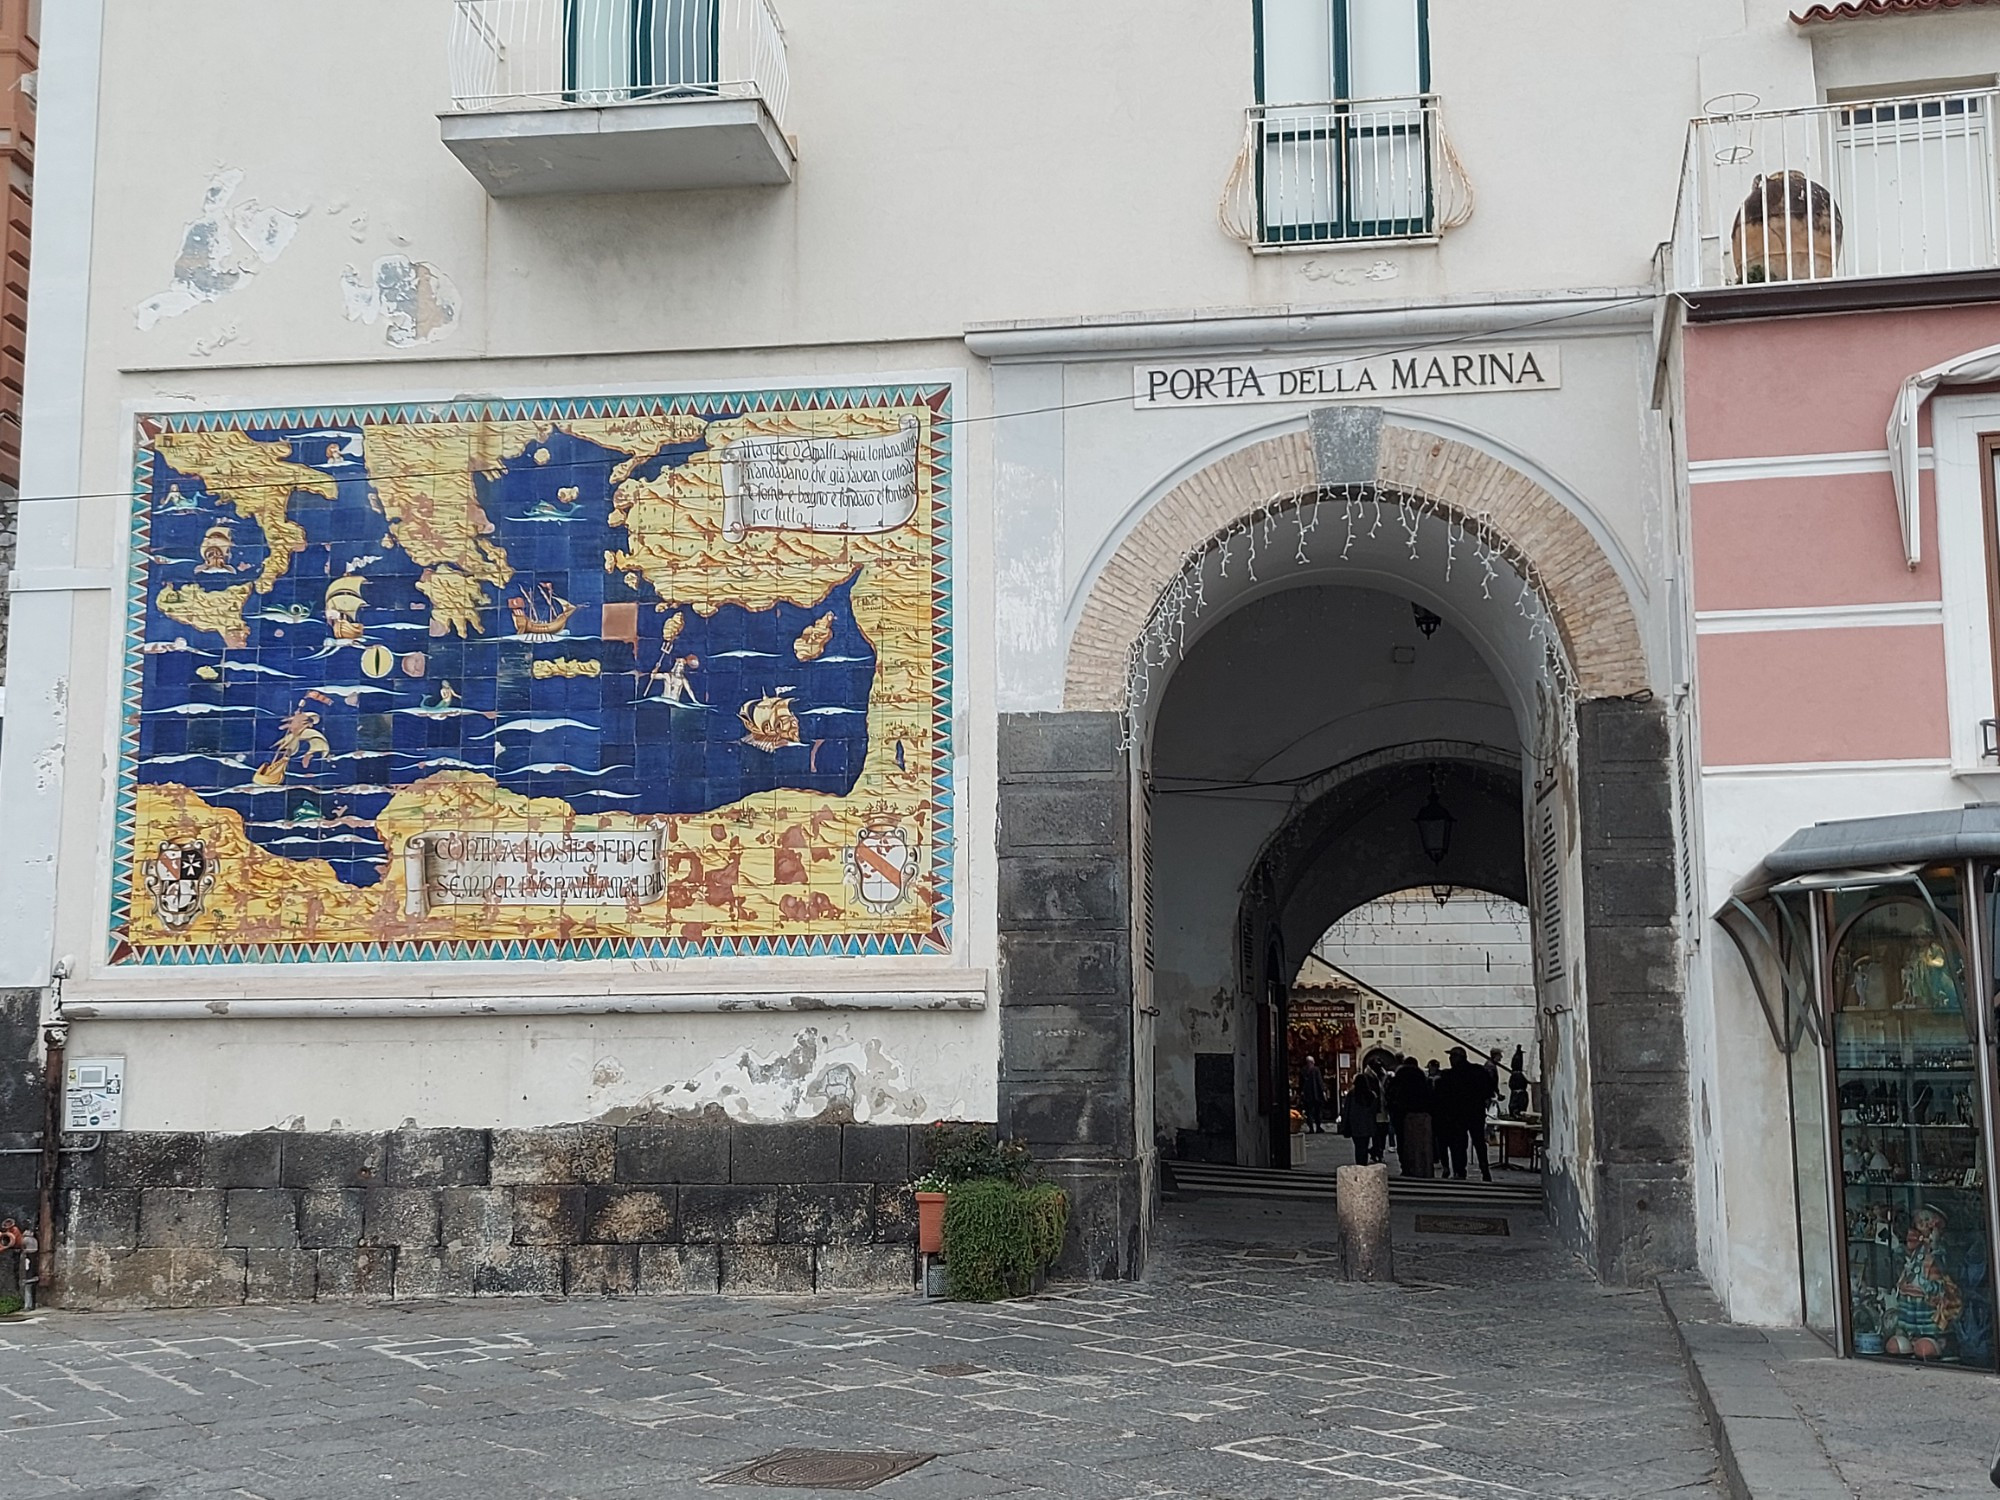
(1361, 446)
(1350, 843)
(1365, 809)
(1074, 887)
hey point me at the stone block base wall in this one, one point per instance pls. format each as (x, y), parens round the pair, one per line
(180, 1220)
(21, 1106)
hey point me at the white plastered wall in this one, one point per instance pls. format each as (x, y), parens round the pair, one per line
(940, 186)
(236, 1072)
(1465, 966)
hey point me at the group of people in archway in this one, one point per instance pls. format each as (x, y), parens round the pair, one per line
(1433, 1116)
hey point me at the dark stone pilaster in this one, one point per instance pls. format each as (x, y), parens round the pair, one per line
(21, 1108)
(1066, 1038)
(1644, 1200)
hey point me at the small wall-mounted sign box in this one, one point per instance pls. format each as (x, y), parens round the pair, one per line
(94, 1094)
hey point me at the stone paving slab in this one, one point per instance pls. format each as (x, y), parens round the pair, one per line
(1241, 1368)
(1795, 1422)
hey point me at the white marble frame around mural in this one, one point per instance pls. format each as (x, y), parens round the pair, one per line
(474, 988)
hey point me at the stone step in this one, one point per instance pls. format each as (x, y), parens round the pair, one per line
(1217, 1177)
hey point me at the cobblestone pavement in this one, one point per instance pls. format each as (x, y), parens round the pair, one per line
(1240, 1368)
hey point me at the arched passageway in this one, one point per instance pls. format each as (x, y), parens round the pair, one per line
(1281, 661)
(1291, 754)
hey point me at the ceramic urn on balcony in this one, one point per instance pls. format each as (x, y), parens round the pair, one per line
(1788, 229)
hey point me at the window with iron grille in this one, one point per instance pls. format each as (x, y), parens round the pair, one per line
(616, 51)
(1345, 131)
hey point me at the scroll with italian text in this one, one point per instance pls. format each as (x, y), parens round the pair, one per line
(836, 484)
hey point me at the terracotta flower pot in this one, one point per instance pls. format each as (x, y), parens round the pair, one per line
(930, 1223)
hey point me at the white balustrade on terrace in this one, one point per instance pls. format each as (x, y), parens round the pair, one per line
(1860, 188)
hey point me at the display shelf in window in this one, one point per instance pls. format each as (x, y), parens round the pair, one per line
(1909, 1148)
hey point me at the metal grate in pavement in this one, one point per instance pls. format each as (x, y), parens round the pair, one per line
(822, 1469)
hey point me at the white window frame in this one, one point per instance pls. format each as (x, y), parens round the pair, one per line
(1965, 569)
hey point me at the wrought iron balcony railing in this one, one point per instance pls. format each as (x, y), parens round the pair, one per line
(1345, 171)
(547, 54)
(1861, 188)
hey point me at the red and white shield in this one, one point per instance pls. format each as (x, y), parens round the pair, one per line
(880, 863)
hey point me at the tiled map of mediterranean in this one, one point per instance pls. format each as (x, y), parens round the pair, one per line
(571, 678)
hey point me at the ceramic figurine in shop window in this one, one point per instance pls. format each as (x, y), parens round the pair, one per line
(1928, 1301)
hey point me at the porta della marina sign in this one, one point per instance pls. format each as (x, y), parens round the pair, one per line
(1449, 370)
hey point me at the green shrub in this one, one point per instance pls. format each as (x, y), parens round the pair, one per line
(968, 1153)
(999, 1235)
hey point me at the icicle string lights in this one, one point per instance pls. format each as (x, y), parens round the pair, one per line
(1164, 639)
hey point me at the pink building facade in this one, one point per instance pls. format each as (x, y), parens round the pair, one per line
(1841, 754)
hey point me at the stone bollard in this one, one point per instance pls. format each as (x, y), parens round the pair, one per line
(1413, 1145)
(1361, 1195)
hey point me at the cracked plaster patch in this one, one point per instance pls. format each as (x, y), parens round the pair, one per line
(414, 301)
(818, 1077)
(221, 248)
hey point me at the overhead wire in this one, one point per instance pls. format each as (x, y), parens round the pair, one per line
(766, 443)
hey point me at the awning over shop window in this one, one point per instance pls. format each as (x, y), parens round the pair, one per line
(1976, 368)
(1874, 851)
(1845, 854)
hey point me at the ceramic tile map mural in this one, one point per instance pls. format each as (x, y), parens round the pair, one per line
(562, 679)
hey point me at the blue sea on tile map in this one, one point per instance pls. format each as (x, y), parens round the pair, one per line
(660, 730)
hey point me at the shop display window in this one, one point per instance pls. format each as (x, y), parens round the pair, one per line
(1912, 1211)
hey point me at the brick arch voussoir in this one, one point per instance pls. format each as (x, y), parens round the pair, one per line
(1592, 610)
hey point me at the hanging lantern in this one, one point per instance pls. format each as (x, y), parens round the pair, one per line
(1434, 823)
(1426, 621)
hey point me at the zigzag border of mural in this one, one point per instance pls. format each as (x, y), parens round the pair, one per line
(943, 847)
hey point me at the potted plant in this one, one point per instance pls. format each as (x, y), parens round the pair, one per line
(930, 1191)
(1001, 1237)
(999, 1224)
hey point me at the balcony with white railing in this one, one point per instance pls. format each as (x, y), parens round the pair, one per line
(1350, 171)
(605, 96)
(1864, 189)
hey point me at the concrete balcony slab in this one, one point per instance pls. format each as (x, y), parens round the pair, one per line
(660, 146)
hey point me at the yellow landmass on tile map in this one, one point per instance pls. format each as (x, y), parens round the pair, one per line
(422, 474)
(258, 479)
(774, 862)
(218, 610)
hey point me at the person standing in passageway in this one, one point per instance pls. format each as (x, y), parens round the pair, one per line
(1312, 1094)
(1379, 1146)
(1361, 1115)
(1408, 1096)
(1477, 1131)
(1493, 1070)
(1459, 1103)
(1517, 1085)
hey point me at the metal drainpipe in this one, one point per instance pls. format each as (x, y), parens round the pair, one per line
(55, 1039)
